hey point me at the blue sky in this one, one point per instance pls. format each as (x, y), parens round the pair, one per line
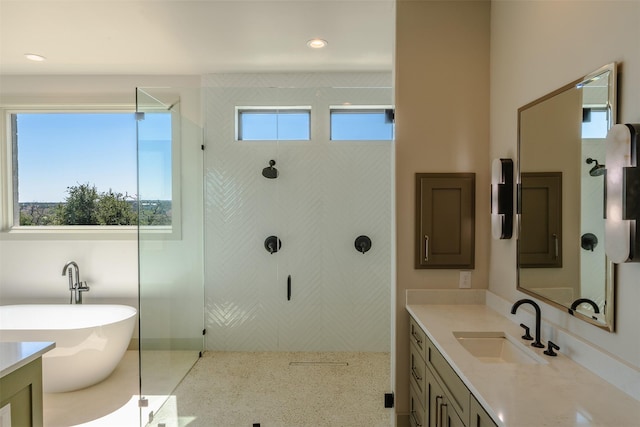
(59, 150)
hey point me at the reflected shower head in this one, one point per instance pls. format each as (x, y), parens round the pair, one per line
(270, 172)
(598, 169)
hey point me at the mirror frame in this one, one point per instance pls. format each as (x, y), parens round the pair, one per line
(610, 275)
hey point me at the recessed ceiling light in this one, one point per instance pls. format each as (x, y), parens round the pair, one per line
(34, 57)
(317, 43)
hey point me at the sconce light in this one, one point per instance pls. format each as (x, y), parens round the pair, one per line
(502, 198)
(622, 194)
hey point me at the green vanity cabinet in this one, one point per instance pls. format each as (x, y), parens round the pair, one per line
(21, 381)
(438, 397)
(23, 390)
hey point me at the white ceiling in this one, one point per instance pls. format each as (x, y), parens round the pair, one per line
(194, 37)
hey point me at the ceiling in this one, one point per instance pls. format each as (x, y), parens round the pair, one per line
(194, 37)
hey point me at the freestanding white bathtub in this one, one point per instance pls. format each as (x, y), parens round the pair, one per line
(90, 339)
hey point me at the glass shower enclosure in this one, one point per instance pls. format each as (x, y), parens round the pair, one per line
(169, 244)
(256, 238)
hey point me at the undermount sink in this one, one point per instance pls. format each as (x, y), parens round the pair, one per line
(496, 347)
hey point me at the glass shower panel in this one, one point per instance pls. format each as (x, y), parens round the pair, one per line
(170, 246)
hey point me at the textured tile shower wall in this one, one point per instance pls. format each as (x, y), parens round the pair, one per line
(326, 195)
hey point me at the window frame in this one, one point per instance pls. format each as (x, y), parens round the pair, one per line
(8, 191)
(361, 109)
(239, 109)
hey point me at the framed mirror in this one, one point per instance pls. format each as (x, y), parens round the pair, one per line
(561, 172)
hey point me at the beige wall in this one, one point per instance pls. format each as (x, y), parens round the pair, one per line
(537, 47)
(442, 101)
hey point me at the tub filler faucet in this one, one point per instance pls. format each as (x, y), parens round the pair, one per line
(76, 287)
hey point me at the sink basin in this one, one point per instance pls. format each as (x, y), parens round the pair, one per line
(496, 347)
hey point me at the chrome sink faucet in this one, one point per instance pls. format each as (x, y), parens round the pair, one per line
(76, 287)
(517, 304)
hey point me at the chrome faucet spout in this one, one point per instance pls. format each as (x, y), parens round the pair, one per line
(76, 287)
(536, 307)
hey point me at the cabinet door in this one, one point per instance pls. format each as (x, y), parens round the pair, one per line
(540, 238)
(22, 389)
(448, 416)
(439, 410)
(445, 220)
(417, 414)
(479, 417)
(417, 369)
(434, 400)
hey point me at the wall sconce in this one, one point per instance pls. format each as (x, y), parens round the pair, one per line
(502, 198)
(622, 194)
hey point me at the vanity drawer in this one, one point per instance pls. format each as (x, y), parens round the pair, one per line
(417, 337)
(417, 414)
(417, 368)
(458, 393)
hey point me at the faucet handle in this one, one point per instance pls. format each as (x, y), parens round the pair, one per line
(82, 287)
(549, 351)
(527, 336)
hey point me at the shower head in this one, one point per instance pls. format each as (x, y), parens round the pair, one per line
(598, 169)
(270, 172)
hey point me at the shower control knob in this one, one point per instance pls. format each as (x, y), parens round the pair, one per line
(362, 244)
(272, 244)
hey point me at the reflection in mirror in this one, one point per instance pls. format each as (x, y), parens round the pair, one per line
(561, 152)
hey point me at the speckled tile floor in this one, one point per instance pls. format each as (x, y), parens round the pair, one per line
(111, 403)
(226, 389)
(114, 401)
(229, 389)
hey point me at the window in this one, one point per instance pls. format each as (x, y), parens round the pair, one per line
(273, 123)
(362, 123)
(79, 168)
(595, 122)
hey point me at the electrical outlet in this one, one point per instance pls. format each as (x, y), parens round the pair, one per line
(465, 280)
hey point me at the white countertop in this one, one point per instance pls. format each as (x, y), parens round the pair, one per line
(14, 355)
(558, 393)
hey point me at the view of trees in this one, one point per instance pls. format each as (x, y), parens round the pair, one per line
(85, 205)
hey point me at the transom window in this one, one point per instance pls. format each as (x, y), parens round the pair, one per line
(273, 123)
(362, 123)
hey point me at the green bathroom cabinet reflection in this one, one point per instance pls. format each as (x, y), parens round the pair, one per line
(23, 390)
(540, 241)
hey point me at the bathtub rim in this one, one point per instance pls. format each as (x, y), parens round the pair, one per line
(87, 323)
